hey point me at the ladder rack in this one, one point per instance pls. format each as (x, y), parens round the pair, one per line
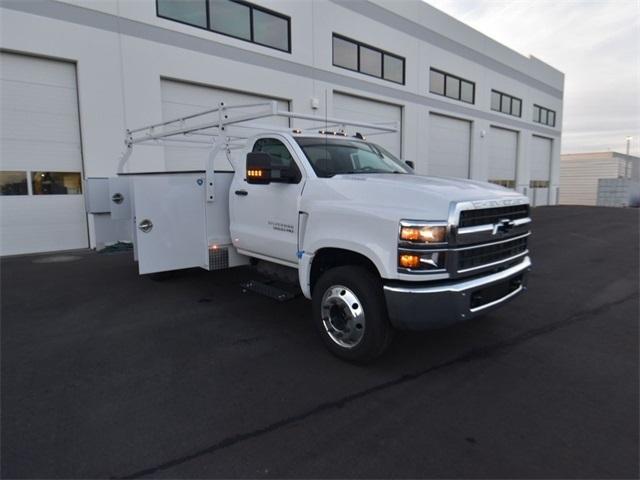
(224, 128)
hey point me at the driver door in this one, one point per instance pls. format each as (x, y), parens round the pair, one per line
(264, 218)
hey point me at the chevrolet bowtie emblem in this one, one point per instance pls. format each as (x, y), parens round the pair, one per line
(503, 226)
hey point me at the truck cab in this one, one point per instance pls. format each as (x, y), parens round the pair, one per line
(373, 242)
(373, 245)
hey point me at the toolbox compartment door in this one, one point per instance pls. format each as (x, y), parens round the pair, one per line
(120, 198)
(170, 227)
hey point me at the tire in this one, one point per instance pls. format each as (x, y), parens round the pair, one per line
(350, 314)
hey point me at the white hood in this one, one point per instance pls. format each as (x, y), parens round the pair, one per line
(409, 196)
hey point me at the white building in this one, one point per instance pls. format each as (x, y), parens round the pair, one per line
(76, 73)
(581, 172)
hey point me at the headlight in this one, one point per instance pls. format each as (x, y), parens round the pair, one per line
(423, 233)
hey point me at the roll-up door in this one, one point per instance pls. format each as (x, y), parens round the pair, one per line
(350, 107)
(503, 155)
(541, 148)
(181, 98)
(449, 146)
(41, 202)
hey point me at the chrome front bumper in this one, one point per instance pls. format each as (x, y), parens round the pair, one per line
(422, 308)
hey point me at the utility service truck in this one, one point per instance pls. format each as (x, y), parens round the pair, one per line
(374, 246)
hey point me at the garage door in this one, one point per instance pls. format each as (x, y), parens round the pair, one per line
(449, 146)
(351, 107)
(540, 170)
(503, 154)
(180, 99)
(41, 202)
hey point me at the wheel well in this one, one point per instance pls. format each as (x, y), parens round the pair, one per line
(327, 258)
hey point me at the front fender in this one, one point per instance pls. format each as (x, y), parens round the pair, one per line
(306, 259)
(369, 235)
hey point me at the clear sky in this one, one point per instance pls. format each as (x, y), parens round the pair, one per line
(595, 43)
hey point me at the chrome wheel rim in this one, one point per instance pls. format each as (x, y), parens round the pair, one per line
(342, 316)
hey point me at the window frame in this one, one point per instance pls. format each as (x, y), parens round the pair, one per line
(382, 52)
(251, 7)
(511, 99)
(460, 81)
(547, 111)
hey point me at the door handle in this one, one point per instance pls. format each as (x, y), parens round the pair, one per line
(242, 193)
(145, 225)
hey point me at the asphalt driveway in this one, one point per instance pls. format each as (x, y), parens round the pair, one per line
(108, 374)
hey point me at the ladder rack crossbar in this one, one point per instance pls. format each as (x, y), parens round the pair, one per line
(176, 120)
(144, 134)
(199, 114)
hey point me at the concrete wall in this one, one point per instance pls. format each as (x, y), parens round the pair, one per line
(618, 192)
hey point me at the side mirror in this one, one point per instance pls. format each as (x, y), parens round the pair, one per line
(411, 164)
(262, 170)
(258, 168)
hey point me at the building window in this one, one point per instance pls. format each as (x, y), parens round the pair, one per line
(544, 116)
(371, 62)
(56, 183)
(366, 59)
(539, 184)
(193, 12)
(436, 82)
(345, 54)
(442, 83)
(270, 30)
(452, 87)
(234, 18)
(394, 69)
(503, 103)
(13, 183)
(505, 183)
(230, 18)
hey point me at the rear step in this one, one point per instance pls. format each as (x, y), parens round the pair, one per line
(271, 288)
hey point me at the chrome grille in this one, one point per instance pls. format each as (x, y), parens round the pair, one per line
(483, 236)
(486, 216)
(486, 255)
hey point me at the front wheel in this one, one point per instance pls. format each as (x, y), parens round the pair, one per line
(351, 315)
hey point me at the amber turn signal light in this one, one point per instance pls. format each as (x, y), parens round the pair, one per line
(409, 261)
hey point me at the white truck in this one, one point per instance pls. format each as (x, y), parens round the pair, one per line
(374, 246)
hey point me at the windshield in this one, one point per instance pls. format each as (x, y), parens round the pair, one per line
(334, 156)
